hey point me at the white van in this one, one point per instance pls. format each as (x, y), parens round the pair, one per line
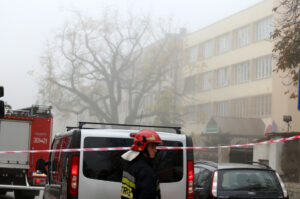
(97, 174)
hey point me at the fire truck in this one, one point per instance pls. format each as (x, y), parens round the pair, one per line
(24, 129)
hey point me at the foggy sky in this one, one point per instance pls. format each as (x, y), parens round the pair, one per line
(26, 24)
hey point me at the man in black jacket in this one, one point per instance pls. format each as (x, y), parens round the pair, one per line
(139, 180)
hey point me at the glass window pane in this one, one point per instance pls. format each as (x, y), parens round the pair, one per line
(264, 28)
(242, 36)
(208, 49)
(223, 77)
(223, 43)
(263, 67)
(242, 72)
(207, 79)
(192, 54)
(248, 180)
(107, 165)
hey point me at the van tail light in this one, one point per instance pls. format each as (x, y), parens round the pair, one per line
(39, 181)
(284, 191)
(190, 180)
(74, 174)
(214, 186)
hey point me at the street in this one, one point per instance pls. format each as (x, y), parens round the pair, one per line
(10, 195)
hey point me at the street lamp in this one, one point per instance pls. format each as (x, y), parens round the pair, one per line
(287, 119)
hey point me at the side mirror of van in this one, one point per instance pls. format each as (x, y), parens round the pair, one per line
(40, 166)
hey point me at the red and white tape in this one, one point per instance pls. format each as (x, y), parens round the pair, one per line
(159, 147)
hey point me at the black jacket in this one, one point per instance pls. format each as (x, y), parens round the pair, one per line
(139, 180)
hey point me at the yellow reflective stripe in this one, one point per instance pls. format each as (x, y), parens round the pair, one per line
(126, 191)
(128, 182)
(128, 176)
(157, 187)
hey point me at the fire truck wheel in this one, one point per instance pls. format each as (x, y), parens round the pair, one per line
(25, 194)
(2, 192)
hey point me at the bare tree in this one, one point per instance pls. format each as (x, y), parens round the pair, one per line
(94, 66)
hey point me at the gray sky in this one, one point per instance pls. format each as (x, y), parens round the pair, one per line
(26, 24)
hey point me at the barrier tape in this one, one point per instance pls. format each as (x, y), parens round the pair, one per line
(159, 147)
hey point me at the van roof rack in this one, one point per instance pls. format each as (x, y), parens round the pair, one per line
(206, 162)
(81, 124)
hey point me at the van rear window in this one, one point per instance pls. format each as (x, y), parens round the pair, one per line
(249, 179)
(107, 165)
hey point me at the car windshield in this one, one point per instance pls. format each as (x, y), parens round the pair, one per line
(250, 180)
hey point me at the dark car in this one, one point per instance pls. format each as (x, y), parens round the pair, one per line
(232, 180)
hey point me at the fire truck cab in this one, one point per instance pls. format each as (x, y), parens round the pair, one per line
(24, 129)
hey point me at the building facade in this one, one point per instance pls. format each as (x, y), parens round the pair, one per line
(228, 72)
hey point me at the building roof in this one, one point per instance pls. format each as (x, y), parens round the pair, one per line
(236, 126)
(278, 135)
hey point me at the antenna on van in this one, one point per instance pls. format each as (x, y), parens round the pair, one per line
(77, 117)
(141, 118)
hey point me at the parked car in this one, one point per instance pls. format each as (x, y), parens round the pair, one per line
(97, 174)
(232, 180)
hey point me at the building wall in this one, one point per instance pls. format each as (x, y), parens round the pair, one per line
(282, 104)
(280, 155)
(293, 190)
(196, 64)
(270, 152)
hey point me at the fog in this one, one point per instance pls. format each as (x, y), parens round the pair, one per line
(26, 25)
(206, 66)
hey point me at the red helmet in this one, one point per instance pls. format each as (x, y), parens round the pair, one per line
(143, 137)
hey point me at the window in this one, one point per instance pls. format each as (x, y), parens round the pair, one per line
(246, 179)
(242, 72)
(263, 67)
(223, 43)
(169, 163)
(239, 107)
(204, 113)
(264, 28)
(221, 108)
(107, 165)
(190, 114)
(222, 77)
(54, 161)
(57, 167)
(242, 37)
(206, 81)
(262, 106)
(192, 54)
(208, 49)
(190, 84)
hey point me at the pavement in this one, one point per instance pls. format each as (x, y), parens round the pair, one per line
(10, 195)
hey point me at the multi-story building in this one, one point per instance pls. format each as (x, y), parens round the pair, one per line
(228, 72)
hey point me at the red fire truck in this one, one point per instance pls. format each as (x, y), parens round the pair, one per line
(24, 129)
